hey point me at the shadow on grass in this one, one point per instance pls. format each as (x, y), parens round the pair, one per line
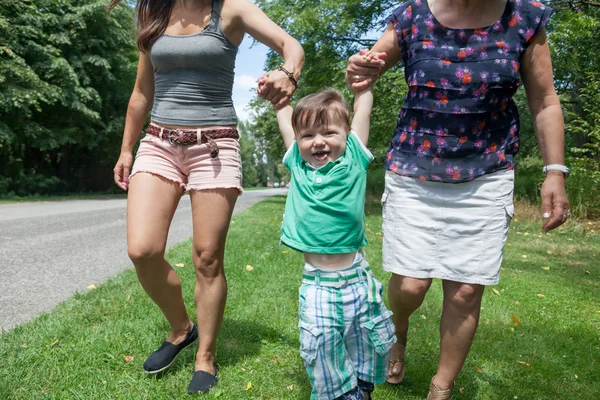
(237, 340)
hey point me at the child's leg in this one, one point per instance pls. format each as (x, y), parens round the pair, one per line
(322, 348)
(370, 338)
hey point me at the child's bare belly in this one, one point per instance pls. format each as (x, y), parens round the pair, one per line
(324, 261)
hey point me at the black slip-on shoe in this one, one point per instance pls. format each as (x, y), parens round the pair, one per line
(164, 356)
(202, 381)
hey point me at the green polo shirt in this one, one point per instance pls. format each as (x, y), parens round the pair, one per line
(325, 207)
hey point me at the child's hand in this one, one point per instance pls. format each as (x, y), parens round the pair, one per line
(372, 58)
(261, 82)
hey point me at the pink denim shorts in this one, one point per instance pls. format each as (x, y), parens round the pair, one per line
(191, 166)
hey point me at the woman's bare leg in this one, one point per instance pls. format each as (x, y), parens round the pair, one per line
(460, 316)
(151, 204)
(212, 210)
(405, 295)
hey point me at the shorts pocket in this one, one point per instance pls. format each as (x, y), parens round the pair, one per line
(384, 198)
(381, 333)
(310, 341)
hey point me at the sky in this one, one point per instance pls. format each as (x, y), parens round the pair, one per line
(248, 67)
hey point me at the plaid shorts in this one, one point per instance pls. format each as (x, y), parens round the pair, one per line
(346, 332)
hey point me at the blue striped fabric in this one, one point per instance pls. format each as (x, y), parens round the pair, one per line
(344, 336)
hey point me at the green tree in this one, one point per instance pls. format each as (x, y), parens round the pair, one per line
(66, 72)
(248, 150)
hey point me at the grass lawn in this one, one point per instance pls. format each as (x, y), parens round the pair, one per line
(90, 196)
(539, 336)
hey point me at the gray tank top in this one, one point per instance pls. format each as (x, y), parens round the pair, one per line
(193, 76)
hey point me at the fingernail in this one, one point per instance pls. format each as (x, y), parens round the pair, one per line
(546, 215)
(382, 63)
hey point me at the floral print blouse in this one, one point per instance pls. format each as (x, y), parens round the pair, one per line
(459, 120)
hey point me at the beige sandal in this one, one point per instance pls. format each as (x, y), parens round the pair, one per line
(435, 393)
(396, 378)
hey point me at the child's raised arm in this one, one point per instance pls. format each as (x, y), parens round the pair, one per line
(284, 119)
(363, 104)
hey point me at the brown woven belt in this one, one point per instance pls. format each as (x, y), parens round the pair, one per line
(185, 137)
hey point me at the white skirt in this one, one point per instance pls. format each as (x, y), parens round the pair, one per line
(448, 231)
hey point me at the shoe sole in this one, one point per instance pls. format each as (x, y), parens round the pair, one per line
(171, 363)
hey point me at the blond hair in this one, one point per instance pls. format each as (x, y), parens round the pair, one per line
(320, 109)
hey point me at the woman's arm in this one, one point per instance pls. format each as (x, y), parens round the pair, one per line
(137, 111)
(277, 87)
(536, 72)
(361, 73)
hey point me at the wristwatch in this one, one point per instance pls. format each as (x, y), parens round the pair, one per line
(556, 167)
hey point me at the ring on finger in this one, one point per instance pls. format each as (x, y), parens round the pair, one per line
(356, 78)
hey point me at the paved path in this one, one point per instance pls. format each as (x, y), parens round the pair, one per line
(50, 250)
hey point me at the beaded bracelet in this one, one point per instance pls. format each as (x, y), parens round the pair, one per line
(289, 74)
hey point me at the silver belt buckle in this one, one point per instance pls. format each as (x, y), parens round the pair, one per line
(169, 139)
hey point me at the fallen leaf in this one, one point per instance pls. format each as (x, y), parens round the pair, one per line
(249, 386)
(180, 265)
(285, 251)
(128, 358)
(24, 345)
(509, 244)
(540, 295)
(497, 293)
(588, 272)
(512, 329)
(423, 317)
(526, 234)
(479, 370)
(577, 264)
(576, 377)
(462, 390)
(516, 320)
(290, 388)
(91, 286)
(128, 297)
(249, 267)
(549, 252)
(546, 268)
(54, 343)
(525, 364)
(524, 256)
(515, 219)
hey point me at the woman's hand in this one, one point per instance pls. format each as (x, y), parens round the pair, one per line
(276, 87)
(555, 204)
(122, 169)
(363, 69)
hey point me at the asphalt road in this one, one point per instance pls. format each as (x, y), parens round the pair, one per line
(50, 250)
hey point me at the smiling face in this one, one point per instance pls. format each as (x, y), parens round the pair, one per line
(319, 145)
(321, 122)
